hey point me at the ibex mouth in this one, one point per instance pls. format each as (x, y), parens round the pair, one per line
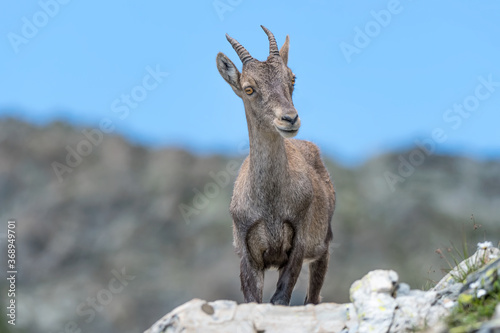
(287, 132)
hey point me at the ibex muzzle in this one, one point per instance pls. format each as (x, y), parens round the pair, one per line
(287, 123)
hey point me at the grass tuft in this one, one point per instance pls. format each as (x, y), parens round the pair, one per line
(454, 256)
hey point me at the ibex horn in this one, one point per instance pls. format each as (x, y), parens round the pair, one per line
(240, 50)
(273, 47)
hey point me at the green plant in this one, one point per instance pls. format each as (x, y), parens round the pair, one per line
(471, 311)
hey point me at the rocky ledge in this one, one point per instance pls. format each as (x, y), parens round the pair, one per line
(380, 303)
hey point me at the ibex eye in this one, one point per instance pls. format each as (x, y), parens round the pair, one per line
(249, 90)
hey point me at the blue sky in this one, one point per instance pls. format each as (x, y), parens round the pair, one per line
(372, 76)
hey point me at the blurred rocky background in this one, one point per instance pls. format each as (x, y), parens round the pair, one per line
(111, 236)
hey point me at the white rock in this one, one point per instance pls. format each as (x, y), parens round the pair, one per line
(403, 290)
(418, 309)
(227, 316)
(379, 304)
(373, 301)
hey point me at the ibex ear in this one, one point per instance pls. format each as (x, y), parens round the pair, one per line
(229, 72)
(284, 50)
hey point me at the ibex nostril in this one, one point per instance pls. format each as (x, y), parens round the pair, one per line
(290, 119)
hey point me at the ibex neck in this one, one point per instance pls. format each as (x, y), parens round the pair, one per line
(268, 160)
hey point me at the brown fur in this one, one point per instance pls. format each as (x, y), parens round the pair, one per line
(283, 199)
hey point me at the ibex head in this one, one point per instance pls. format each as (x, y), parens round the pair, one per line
(265, 87)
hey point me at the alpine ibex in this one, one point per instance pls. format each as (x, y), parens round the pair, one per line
(283, 199)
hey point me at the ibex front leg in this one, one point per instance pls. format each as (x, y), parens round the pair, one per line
(252, 281)
(288, 275)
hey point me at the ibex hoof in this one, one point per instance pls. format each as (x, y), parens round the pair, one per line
(280, 302)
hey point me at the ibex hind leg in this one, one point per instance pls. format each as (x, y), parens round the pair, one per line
(317, 272)
(252, 281)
